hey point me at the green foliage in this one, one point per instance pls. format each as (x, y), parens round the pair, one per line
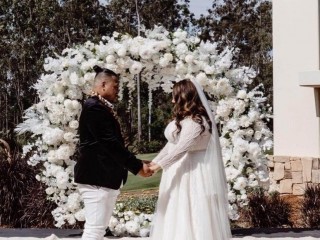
(145, 146)
(268, 210)
(310, 209)
(171, 14)
(138, 204)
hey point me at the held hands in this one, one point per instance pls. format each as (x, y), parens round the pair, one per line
(154, 167)
(148, 169)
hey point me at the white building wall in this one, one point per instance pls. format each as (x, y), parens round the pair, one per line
(295, 50)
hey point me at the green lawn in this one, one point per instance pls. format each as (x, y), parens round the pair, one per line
(139, 183)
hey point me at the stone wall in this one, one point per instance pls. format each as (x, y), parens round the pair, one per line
(290, 175)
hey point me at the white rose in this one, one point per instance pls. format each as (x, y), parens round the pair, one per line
(135, 68)
(74, 124)
(242, 94)
(74, 79)
(110, 59)
(122, 52)
(189, 58)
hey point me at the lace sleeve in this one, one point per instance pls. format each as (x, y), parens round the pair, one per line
(161, 154)
(190, 132)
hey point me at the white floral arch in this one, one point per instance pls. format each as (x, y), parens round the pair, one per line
(159, 57)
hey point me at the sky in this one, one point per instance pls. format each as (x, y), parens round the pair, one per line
(200, 6)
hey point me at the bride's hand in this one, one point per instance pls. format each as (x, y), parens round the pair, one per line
(154, 167)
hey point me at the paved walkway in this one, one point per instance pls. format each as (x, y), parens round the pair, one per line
(238, 234)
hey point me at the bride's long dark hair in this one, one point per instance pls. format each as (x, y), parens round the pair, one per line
(187, 103)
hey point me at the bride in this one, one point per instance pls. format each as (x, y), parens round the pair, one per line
(192, 203)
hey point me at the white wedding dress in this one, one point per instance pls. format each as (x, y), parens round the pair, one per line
(185, 210)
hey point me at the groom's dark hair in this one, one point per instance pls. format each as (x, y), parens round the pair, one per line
(105, 71)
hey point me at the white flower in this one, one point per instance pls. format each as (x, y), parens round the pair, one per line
(189, 58)
(223, 109)
(168, 57)
(73, 202)
(68, 104)
(74, 124)
(73, 93)
(232, 196)
(115, 34)
(239, 107)
(69, 137)
(145, 53)
(268, 145)
(122, 52)
(71, 219)
(240, 183)
(62, 180)
(245, 122)
(52, 136)
(113, 222)
(181, 68)
(74, 79)
(241, 144)
(202, 79)
(182, 49)
(242, 94)
(50, 190)
(119, 230)
(253, 115)
(209, 70)
(64, 152)
(110, 59)
(232, 173)
(233, 124)
(253, 183)
(89, 77)
(132, 227)
(224, 87)
(135, 68)
(144, 232)
(79, 215)
(257, 135)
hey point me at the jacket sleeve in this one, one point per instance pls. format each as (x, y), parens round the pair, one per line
(189, 135)
(101, 125)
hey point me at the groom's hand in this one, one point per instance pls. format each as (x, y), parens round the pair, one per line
(145, 171)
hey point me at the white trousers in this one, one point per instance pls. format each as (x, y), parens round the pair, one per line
(98, 205)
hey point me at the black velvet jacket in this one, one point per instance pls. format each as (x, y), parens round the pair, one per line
(103, 159)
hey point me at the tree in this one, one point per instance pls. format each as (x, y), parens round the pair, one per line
(171, 14)
(246, 25)
(32, 30)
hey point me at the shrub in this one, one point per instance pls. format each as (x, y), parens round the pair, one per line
(310, 206)
(16, 179)
(23, 199)
(268, 210)
(37, 208)
(149, 147)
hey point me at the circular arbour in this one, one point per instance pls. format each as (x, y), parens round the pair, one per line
(159, 57)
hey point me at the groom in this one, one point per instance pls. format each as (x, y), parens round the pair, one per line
(104, 162)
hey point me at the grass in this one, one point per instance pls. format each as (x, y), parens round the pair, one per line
(140, 183)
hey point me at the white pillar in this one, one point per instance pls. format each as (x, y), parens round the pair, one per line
(295, 51)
